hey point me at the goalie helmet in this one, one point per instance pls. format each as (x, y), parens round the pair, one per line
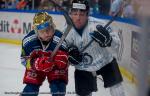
(42, 20)
(80, 4)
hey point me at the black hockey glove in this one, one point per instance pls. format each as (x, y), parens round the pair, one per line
(102, 36)
(75, 57)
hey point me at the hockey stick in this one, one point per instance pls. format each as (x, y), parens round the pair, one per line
(69, 26)
(110, 21)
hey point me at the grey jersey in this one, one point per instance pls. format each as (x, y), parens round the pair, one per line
(98, 56)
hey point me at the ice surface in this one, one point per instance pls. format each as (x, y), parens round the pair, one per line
(11, 76)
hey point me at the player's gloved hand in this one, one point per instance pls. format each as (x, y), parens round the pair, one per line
(61, 59)
(38, 53)
(75, 57)
(34, 55)
(102, 36)
(43, 64)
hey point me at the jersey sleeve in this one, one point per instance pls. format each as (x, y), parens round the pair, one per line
(23, 55)
(26, 48)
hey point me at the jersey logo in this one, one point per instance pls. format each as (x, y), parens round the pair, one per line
(87, 60)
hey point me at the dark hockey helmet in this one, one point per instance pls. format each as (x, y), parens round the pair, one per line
(80, 4)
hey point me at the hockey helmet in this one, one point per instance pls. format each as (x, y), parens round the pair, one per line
(80, 4)
(42, 20)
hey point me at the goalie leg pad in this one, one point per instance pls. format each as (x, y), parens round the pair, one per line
(111, 74)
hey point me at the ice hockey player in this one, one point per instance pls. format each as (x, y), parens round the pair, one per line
(37, 47)
(96, 59)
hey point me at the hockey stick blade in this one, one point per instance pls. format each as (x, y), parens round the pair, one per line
(110, 21)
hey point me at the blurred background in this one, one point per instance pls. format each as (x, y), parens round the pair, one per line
(132, 25)
(127, 8)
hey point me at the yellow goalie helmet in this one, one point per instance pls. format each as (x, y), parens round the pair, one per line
(42, 20)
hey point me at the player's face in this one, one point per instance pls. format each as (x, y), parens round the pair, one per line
(79, 18)
(46, 34)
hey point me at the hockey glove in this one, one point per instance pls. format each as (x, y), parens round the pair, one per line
(61, 59)
(102, 36)
(36, 54)
(43, 64)
(75, 57)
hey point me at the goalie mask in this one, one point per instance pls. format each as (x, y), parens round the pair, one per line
(80, 4)
(43, 20)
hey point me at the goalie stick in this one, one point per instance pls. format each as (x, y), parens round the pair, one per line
(90, 42)
(69, 26)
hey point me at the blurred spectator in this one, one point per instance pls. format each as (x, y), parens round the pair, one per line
(10, 4)
(2, 4)
(96, 7)
(22, 4)
(46, 5)
(104, 6)
(66, 4)
(116, 6)
(32, 4)
(36, 3)
(128, 10)
(137, 7)
(100, 6)
(59, 2)
(28, 4)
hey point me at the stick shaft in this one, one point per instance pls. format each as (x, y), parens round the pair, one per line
(69, 26)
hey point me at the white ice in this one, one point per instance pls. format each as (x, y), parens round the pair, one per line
(12, 72)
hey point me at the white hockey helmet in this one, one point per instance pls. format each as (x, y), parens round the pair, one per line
(80, 4)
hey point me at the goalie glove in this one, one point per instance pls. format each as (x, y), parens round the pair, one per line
(43, 64)
(75, 57)
(102, 36)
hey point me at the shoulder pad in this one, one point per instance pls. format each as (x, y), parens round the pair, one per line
(29, 37)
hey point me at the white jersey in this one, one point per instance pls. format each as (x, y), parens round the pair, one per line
(100, 56)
